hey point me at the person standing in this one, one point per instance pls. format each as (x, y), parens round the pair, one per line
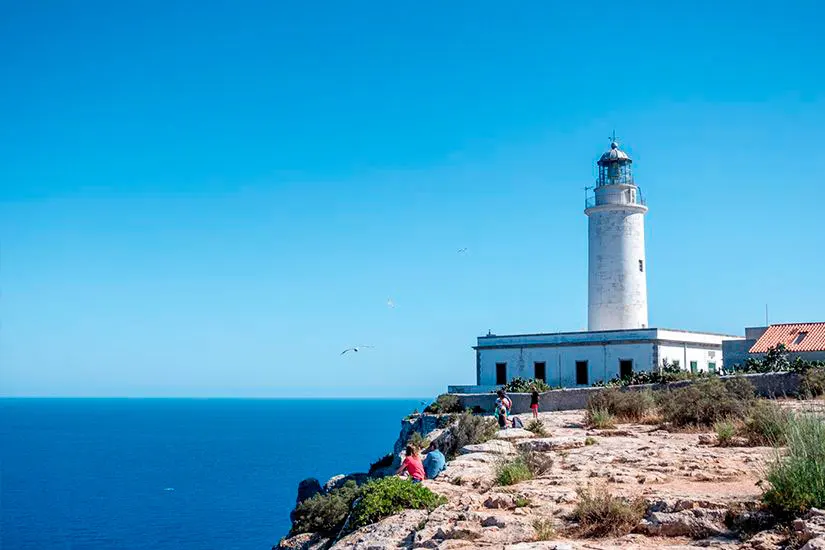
(534, 402)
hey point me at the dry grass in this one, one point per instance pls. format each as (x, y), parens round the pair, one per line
(601, 514)
(544, 529)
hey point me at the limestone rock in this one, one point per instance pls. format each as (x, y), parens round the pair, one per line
(767, 540)
(304, 541)
(547, 444)
(695, 523)
(392, 532)
(815, 544)
(515, 433)
(336, 482)
(494, 446)
(502, 501)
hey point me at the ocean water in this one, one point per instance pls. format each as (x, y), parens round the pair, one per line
(175, 473)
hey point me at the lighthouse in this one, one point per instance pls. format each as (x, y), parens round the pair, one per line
(617, 285)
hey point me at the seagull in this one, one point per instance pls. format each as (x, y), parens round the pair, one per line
(390, 303)
(462, 250)
(356, 349)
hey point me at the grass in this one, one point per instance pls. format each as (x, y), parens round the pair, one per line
(630, 406)
(725, 431)
(797, 478)
(544, 529)
(590, 440)
(601, 514)
(537, 427)
(600, 418)
(522, 501)
(766, 424)
(510, 472)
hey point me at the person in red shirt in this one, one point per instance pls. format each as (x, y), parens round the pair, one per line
(412, 465)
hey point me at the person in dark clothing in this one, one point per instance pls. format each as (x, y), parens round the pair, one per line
(534, 402)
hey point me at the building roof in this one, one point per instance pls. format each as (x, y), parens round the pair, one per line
(614, 154)
(795, 336)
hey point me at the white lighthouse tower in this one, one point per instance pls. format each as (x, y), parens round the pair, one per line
(617, 286)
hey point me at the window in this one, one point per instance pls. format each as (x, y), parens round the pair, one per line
(625, 368)
(641, 265)
(501, 373)
(582, 378)
(799, 337)
(712, 368)
(694, 366)
(540, 371)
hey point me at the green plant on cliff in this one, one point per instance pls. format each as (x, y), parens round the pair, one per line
(388, 496)
(469, 430)
(444, 403)
(383, 462)
(524, 385)
(418, 441)
(324, 513)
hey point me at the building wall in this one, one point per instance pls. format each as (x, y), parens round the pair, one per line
(687, 352)
(602, 361)
(617, 288)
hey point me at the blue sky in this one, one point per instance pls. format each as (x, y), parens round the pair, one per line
(216, 198)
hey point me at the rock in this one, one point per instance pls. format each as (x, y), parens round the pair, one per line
(494, 446)
(612, 433)
(815, 544)
(547, 444)
(493, 521)
(392, 532)
(707, 439)
(767, 540)
(514, 433)
(501, 501)
(543, 545)
(308, 488)
(304, 541)
(695, 523)
(814, 512)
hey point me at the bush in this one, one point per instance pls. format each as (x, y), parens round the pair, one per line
(470, 430)
(797, 480)
(602, 514)
(599, 418)
(766, 424)
(522, 501)
(725, 431)
(510, 472)
(544, 529)
(387, 496)
(538, 463)
(444, 403)
(418, 441)
(524, 385)
(812, 383)
(324, 513)
(537, 427)
(383, 462)
(705, 402)
(624, 405)
(590, 441)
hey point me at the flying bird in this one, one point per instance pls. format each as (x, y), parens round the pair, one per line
(390, 303)
(462, 250)
(356, 349)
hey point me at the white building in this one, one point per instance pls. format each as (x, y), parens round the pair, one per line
(618, 340)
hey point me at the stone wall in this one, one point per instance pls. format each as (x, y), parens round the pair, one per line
(767, 385)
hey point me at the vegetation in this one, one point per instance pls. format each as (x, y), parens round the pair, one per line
(544, 529)
(600, 514)
(387, 496)
(524, 385)
(383, 462)
(766, 424)
(599, 418)
(444, 403)
(725, 431)
(590, 440)
(812, 383)
(706, 402)
(522, 501)
(623, 405)
(324, 513)
(537, 427)
(797, 479)
(418, 441)
(469, 430)
(538, 463)
(510, 472)
(670, 372)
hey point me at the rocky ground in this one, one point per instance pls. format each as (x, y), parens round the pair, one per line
(690, 485)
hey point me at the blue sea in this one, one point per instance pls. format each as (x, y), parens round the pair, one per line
(175, 473)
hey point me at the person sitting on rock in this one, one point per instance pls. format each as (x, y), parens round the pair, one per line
(412, 465)
(434, 462)
(501, 414)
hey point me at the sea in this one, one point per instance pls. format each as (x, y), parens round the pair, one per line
(94, 474)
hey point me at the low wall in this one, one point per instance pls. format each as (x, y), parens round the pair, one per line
(776, 384)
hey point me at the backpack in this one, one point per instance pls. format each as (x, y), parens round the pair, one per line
(517, 423)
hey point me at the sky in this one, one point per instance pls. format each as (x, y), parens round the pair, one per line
(217, 198)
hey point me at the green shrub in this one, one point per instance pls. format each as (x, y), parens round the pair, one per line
(444, 403)
(537, 427)
(812, 383)
(510, 472)
(388, 496)
(383, 462)
(590, 440)
(418, 441)
(524, 385)
(522, 501)
(725, 431)
(766, 424)
(600, 514)
(797, 479)
(705, 402)
(599, 418)
(544, 529)
(624, 405)
(469, 430)
(324, 513)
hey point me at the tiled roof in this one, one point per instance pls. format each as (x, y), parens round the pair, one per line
(792, 336)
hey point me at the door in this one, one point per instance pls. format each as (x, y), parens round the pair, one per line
(540, 371)
(712, 368)
(582, 377)
(625, 368)
(501, 373)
